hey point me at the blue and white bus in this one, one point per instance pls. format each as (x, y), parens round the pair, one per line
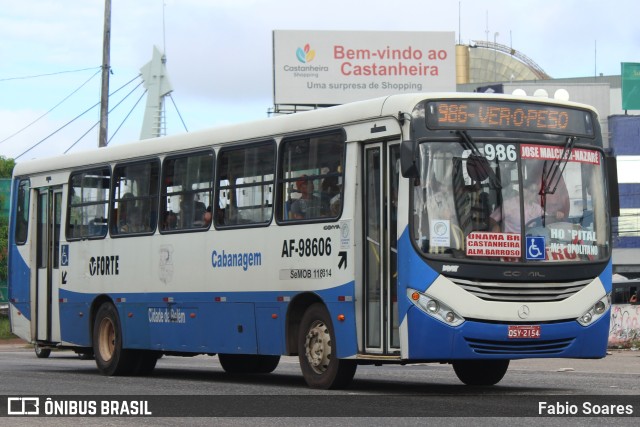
(456, 228)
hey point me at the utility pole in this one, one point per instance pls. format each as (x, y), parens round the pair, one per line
(106, 68)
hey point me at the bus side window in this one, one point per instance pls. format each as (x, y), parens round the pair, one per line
(244, 182)
(187, 183)
(22, 212)
(88, 200)
(311, 177)
(135, 197)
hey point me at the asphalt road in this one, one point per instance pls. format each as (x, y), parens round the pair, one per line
(396, 395)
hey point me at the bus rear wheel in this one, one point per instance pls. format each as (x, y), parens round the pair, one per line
(111, 358)
(41, 353)
(248, 363)
(480, 372)
(319, 363)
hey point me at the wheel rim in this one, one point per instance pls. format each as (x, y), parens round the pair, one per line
(318, 347)
(106, 339)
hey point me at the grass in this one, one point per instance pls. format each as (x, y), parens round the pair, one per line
(5, 329)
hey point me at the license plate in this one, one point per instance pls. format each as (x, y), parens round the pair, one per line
(522, 331)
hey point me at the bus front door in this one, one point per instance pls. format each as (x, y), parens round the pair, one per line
(49, 213)
(380, 191)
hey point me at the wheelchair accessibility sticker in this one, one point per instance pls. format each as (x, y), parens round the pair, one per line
(64, 255)
(535, 248)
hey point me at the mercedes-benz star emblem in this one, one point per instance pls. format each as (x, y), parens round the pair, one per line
(523, 312)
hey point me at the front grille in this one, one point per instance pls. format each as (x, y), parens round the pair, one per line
(520, 347)
(521, 291)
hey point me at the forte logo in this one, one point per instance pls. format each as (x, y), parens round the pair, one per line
(305, 54)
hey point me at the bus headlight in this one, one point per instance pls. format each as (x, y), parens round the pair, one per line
(596, 311)
(434, 308)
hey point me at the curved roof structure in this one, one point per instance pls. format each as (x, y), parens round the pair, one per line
(494, 62)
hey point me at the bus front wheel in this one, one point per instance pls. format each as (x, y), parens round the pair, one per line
(480, 372)
(111, 358)
(319, 363)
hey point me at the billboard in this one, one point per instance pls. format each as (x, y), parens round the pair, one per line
(336, 67)
(630, 86)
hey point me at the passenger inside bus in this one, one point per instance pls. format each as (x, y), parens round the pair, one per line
(126, 214)
(330, 196)
(199, 211)
(192, 211)
(207, 216)
(170, 221)
(308, 205)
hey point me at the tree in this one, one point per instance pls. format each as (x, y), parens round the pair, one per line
(6, 167)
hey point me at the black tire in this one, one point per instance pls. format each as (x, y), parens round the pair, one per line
(480, 372)
(111, 358)
(317, 352)
(248, 363)
(266, 364)
(85, 354)
(41, 353)
(145, 362)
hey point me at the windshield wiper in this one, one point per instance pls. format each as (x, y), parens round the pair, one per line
(551, 177)
(468, 144)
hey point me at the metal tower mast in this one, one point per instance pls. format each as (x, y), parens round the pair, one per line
(156, 82)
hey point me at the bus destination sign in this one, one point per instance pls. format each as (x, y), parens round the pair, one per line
(504, 115)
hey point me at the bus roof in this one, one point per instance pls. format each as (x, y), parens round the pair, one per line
(273, 127)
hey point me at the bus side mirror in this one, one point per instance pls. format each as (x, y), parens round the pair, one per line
(612, 180)
(409, 159)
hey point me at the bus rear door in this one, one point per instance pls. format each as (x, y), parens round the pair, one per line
(49, 216)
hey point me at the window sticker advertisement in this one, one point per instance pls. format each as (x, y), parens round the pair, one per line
(494, 244)
(440, 233)
(545, 152)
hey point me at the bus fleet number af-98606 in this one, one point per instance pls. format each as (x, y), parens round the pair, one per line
(317, 246)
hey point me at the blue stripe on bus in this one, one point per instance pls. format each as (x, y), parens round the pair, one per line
(245, 323)
(19, 282)
(413, 272)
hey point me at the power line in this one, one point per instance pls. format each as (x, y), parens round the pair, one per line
(48, 74)
(51, 109)
(109, 112)
(57, 130)
(72, 120)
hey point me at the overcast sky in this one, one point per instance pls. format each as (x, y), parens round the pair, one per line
(219, 52)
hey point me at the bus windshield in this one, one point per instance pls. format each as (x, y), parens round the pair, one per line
(511, 202)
